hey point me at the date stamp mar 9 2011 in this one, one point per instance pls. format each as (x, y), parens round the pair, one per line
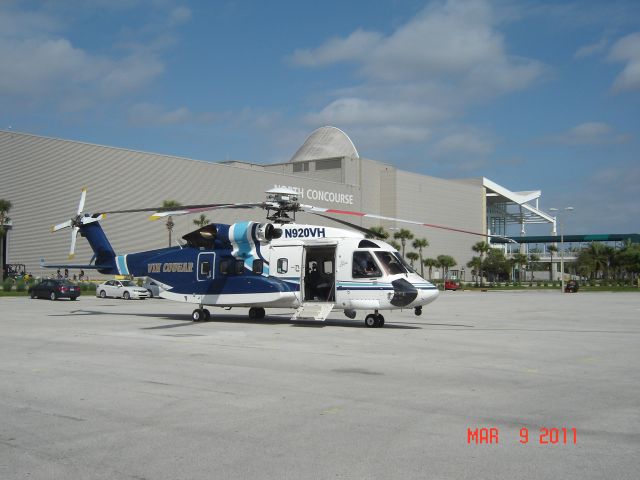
(543, 436)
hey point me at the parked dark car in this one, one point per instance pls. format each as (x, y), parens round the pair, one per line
(572, 286)
(54, 289)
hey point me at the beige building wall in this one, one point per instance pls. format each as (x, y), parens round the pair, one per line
(43, 177)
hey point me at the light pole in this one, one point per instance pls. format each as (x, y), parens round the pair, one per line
(560, 217)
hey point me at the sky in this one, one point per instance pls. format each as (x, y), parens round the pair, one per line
(532, 95)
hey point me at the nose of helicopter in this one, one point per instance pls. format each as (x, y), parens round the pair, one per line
(427, 296)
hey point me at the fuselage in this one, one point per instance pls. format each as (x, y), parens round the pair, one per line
(246, 264)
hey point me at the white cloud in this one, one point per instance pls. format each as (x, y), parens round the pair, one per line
(469, 142)
(422, 76)
(627, 50)
(147, 114)
(589, 133)
(455, 41)
(179, 16)
(592, 49)
(39, 64)
(354, 47)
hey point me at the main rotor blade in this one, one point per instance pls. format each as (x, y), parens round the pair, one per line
(202, 208)
(319, 210)
(186, 208)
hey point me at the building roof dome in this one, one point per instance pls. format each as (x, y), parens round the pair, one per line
(325, 142)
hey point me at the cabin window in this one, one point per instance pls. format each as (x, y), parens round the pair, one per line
(364, 265)
(225, 266)
(392, 263)
(257, 267)
(205, 268)
(327, 267)
(283, 265)
(239, 267)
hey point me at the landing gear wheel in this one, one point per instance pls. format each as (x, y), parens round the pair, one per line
(126, 295)
(256, 313)
(207, 314)
(350, 314)
(374, 320)
(198, 315)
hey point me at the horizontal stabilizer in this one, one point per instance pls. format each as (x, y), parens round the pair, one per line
(72, 265)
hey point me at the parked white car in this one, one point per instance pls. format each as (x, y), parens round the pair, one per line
(121, 289)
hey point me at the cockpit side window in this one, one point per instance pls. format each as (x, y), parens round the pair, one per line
(364, 265)
(392, 264)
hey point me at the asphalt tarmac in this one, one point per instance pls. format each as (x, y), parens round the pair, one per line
(114, 389)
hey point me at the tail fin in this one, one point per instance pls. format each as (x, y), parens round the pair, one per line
(102, 249)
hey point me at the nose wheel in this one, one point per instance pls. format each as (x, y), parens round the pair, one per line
(374, 320)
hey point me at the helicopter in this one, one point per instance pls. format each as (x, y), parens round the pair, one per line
(277, 264)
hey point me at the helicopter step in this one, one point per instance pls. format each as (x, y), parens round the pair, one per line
(313, 311)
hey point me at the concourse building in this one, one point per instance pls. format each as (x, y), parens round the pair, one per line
(42, 177)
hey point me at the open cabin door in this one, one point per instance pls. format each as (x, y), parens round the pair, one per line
(319, 281)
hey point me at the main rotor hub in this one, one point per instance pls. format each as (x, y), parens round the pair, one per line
(282, 202)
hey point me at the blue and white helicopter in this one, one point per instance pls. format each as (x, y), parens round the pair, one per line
(279, 264)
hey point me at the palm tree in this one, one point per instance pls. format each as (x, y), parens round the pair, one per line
(169, 204)
(419, 244)
(552, 249)
(520, 259)
(5, 206)
(377, 232)
(395, 245)
(446, 262)
(475, 264)
(430, 263)
(403, 235)
(533, 259)
(412, 256)
(482, 248)
(202, 220)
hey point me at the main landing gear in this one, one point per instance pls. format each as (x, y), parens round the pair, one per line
(256, 313)
(201, 314)
(374, 320)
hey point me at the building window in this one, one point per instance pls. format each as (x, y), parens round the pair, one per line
(328, 164)
(301, 167)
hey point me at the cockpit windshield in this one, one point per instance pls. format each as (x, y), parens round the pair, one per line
(391, 262)
(404, 262)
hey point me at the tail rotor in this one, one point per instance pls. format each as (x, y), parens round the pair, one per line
(75, 222)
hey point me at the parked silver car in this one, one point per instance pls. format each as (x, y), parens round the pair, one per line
(121, 289)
